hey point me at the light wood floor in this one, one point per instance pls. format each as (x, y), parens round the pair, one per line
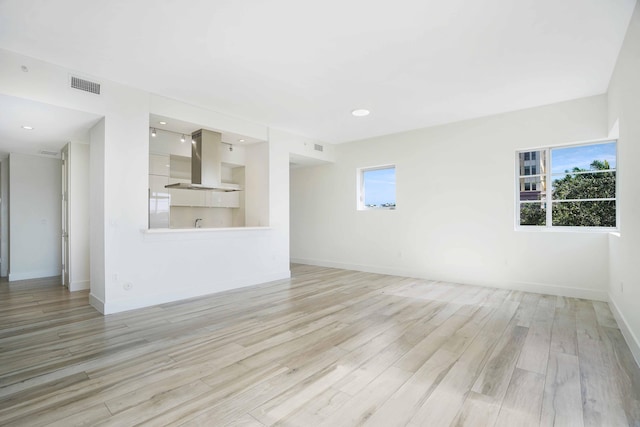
(328, 347)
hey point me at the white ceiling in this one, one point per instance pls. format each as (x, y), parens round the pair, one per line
(303, 66)
(53, 127)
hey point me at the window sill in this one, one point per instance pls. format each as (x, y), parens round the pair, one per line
(537, 229)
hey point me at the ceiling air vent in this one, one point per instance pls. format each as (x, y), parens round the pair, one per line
(48, 153)
(85, 85)
(318, 147)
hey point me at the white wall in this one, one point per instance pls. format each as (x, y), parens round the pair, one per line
(624, 106)
(301, 147)
(256, 185)
(4, 217)
(97, 216)
(131, 267)
(280, 150)
(456, 202)
(35, 219)
(78, 214)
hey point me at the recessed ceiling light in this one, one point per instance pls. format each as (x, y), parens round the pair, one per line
(360, 112)
(162, 123)
(241, 140)
(26, 127)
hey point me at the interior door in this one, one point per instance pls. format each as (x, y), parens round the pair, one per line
(65, 216)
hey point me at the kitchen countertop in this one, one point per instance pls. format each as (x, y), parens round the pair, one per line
(200, 230)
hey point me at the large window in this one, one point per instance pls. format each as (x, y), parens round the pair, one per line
(377, 187)
(571, 186)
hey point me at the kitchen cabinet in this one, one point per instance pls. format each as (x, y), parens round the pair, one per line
(159, 164)
(158, 202)
(177, 169)
(180, 167)
(216, 199)
(186, 197)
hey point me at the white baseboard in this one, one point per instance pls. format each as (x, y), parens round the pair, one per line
(38, 274)
(563, 291)
(79, 285)
(538, 288)
(627, 333)
(357, 267)
(96, 303)
(117, 306)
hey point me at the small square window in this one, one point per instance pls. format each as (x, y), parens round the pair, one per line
(377, 188)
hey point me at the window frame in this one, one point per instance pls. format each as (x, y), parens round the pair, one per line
(548, 200)
(360, 190)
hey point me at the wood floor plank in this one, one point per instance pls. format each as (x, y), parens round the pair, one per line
(446, 400)
(326, 347)
(603, 315)
(563, 332)
(535, 352)
(523, 401)
(626, 376)
(527, 309)
(83, 390)
(601, 396)
(361, 407)
(317, 410)
(225, 388)
(157, 403)
(430, 344)
(478, 410)
(245, 421)
(87, 417)
(297, 396)
(562, 400)
(409, 398)
(496, 375)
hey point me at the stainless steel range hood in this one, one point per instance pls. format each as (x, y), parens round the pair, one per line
(206, 164)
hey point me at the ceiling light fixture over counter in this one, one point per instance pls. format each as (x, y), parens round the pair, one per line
(183, 136)
(26, 127)
(360, 112)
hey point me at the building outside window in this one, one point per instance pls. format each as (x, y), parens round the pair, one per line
(582, 192)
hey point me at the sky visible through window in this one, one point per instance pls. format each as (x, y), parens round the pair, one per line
(563, 159)
(380, 186)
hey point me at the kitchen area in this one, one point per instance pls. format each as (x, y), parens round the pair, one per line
(198, 178)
